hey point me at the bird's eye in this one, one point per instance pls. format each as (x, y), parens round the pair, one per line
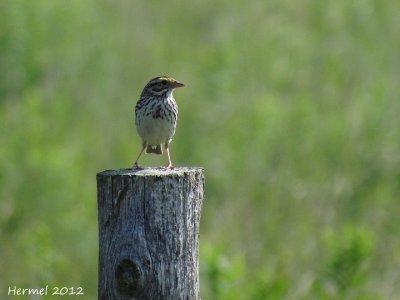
(164, 82)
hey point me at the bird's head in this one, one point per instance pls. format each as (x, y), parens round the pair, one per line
(161, 85)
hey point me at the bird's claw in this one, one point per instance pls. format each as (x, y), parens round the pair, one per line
(137, 166)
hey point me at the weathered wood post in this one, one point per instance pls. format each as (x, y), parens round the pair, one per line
(149, 233)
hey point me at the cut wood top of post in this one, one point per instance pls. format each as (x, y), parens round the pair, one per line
(179, 171)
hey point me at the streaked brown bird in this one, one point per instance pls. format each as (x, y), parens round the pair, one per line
(156, 115)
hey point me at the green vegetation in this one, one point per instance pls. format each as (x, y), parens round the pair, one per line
(292, 107)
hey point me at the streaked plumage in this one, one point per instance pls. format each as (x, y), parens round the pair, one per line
(156, 116)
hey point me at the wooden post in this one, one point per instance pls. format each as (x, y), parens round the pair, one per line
(149, 233)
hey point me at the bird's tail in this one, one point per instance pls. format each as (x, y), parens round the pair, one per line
(156, 149)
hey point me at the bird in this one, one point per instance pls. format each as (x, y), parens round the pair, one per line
(156, 115)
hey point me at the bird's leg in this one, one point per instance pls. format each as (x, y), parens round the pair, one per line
(169, 166)
(136, 164)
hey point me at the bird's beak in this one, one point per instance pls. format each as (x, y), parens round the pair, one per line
(177, 84)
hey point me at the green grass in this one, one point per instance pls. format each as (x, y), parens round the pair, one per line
(291, 107)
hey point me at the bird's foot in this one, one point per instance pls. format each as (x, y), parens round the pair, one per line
(137, 166)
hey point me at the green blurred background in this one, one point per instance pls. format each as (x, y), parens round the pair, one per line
(292, 107)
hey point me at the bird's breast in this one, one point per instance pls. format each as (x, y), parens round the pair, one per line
(154, 130)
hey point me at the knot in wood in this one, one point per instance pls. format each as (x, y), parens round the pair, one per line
(128, 277)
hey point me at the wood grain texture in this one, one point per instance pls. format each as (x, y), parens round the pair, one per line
(149, 233)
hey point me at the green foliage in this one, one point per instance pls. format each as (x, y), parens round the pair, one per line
(223, 275)
(291, 107)
(350, 250)
(347, 265)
